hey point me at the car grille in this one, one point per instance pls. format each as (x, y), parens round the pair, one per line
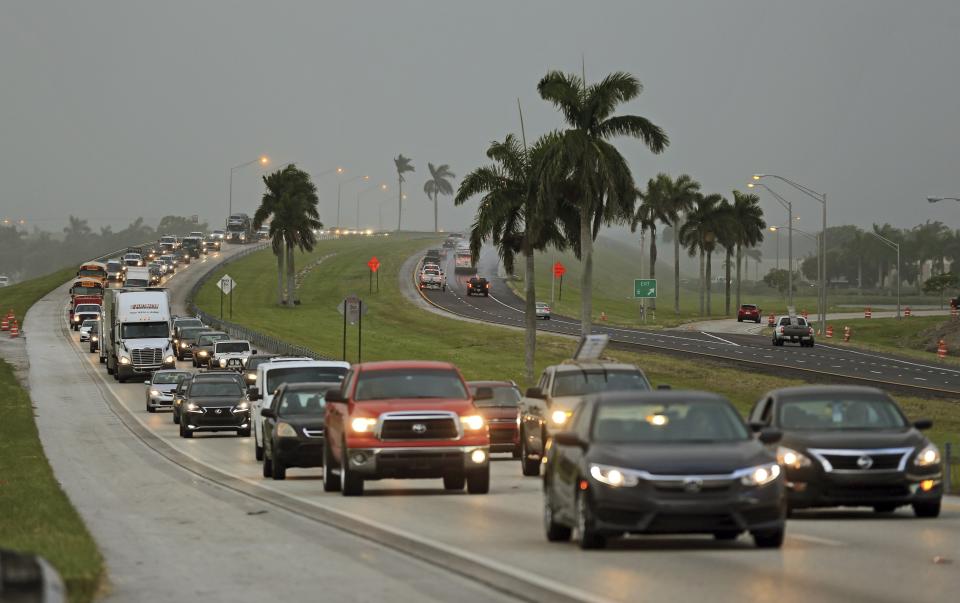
(693, 488)
(880, 462)
(862, 461)
(502, 436)
(147, 356)
(313, 433)
(419, 426)
(665, 522)
(502, 421)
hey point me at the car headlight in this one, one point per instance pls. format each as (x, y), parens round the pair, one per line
(286, 430)
(192, 406)
(241, 406)
(76, 319)
(124, 360)
(202, 353)
(788, 457)
(613, 476)
(761, 475)
(251, 376)
(472, 422)
(183, 345)
(559, 417)
(169, 359)
(929, 455)
(362, 424)
(223, 363)
(154, 392)
(94, 338)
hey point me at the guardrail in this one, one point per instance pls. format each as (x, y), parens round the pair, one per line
(951, 469)
(258, 340)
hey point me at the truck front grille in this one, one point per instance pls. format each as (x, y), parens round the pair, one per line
(147, 356)
(419, 426)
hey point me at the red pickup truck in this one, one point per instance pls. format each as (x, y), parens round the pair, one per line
(404, 420)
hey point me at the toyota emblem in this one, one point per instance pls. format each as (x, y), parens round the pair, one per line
(692, 484)
(218, 411)
(419, 428)
(864, 462)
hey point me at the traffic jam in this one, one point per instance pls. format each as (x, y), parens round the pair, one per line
(616, 455)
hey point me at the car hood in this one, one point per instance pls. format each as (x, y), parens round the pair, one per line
(498, 412)
(216, 400)
(311, 422)
(136, 344)
(682, 458)
(374, 408)
(900, 438)
(166, 388)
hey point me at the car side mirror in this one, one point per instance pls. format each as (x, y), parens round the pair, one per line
(664, 386)
(334, 395)
(922, 424)
(756, 426)
(253, 352)
(568, 438)
(268, 413)
(769, 435)
(536, 393)
(253, 393)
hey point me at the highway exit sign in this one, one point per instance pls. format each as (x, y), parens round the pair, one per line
(644, 288)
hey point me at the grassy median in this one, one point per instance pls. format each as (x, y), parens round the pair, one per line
(35, 514)
(24, 294)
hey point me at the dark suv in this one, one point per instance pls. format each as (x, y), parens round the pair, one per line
(293, 428)
(215, 402)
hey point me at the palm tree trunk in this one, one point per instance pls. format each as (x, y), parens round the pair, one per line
(530, 315)
(676, 270)
(399, 201)
(291, 277)
(702, 306)
(709, 278)
(586, 277)
(280, 277)
(739, 260)
(653, 261)
(436, 221)
(726, 281)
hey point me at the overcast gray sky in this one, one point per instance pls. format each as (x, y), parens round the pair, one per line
(112, 110)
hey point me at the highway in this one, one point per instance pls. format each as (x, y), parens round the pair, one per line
(837, 364)
(183, 519)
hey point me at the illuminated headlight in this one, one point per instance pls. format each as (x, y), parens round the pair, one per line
(285, 430)
(76, 319)
(761, 475)
(472, 422)
(242, 406)
(94, 338)
(202, 353)
(789, 457)
(478, 456)
(124, 360)
(154, 392)
(612, 476)
(183, 345)
(193, 407)
(362, 424)
(223, 363)
(169, 359)
(518, 418)
(928, 456)
(559, 417)
(251, 377)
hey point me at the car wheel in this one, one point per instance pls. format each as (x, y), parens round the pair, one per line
(243, 433)
(555, 532)
(454, 482)
(739, 320)
(529, 467)
(927, 509)
(729, 535)
(267, 467)
(478, 481)
(103, 360)
(331, 482)
(768, 539)
(184, 432)
(257, 447)
(279, 470)
(884, 508)
(175, 416)
(587, 536)
(150, 408)
(351, 484)
(516, 451)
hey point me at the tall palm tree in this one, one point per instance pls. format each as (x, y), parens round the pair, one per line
(583, 168)
(438, 184)
(749, 226)
(656, 206)
(726, 232)
(515, 217)
(290, 203)
(697, 234)
(403, 166)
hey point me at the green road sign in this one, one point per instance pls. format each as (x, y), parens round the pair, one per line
(644, 288)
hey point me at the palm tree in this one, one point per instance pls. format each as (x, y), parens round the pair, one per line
(753, 253)
(698, 237)
(726, 232)
(290, 203)
(584, 169)
(436, 186)
(656, 206)
(403, 165)
(515, 217)
(749, 225)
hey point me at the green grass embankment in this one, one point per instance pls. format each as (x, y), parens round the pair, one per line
(24, 294)
(911, 337)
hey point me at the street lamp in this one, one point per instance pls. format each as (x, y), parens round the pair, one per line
(938, 199)
(787, 205)
(895, 247)
(822, 198)
(381, 187)
(262, 160)
(340, 188)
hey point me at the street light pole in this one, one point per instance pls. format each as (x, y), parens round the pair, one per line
(787, 205)
(262, 160)
(339, 190)
(382, 187)
(895, 246)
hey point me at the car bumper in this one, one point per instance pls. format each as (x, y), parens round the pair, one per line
(638, 510)
(415, 463)
(161, 401)
(297, 452)
(504, 439)
(857, 490)
(795, 339)
(208, 421)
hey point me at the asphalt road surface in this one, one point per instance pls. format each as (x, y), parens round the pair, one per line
(193, 519)
(504, 307)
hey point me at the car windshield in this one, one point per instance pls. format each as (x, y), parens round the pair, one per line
(170, 377)
(88, 324)
(304, 374)
(87, 308)
(841, 412)
(674, 422)
(232, 347)
(113, 266)
(78, 290)
(748, 307)
(581, 383)
(301, 404)
(409, 383)
(502, 395)
(144, 330)
(215, 388)
(91, 272)
(191, 333)
(210, 339)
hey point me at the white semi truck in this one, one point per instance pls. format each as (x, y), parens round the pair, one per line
(136, 335)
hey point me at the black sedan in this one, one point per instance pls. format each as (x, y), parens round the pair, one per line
(293, 428)
(852, 446)
(214, 402)
(478, 285)
(662, 462)
(179, 395)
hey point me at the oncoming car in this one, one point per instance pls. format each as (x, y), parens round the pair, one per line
(160, 388)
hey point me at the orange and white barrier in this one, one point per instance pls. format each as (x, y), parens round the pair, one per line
(829, 331)
(771, 320)
(603, 316)
(846, 333)
(907, 312)
(867, 312)
(942, 349)
(14, 330)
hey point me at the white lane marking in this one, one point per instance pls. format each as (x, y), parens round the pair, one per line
(815, 539)
(720, 339)
(924, 366)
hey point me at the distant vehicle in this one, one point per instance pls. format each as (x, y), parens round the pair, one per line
(84, 291)
(293, 428)
(547, 407)
(478, 285)
(239, 229)
(499, 405)
(749, 312)
(83, 313)
(95, 336)
(432, 256)
(852, 446)
(133, 260)
(543, 310)
(85, 329)
(217, 235)
(250, 368)
(677, 462)
(231, 354)
(160, 388)
(463, 261)
(155, 269)
(4, 280)
(114, 271)
(389, 420)
(193, 246)
(214, 402)
(184, 338)
(432, 278)
(793, 329)
(179, 394)
(93, 270)
(182, 322)
(263, 233)
(202, 347)
(137, 278)
(196, 233)
(170, 262)
(211, 245)
(169, 241)
(449, 243)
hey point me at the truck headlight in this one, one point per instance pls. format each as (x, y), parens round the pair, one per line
(472, 422)
(202, 353)
(559, 417)
(223, 363)
(761, 475)
(362, 424)
(76, 319)
(929, 455)
(124, 360)
(169, 359)
(286, 430)
(183, 345)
